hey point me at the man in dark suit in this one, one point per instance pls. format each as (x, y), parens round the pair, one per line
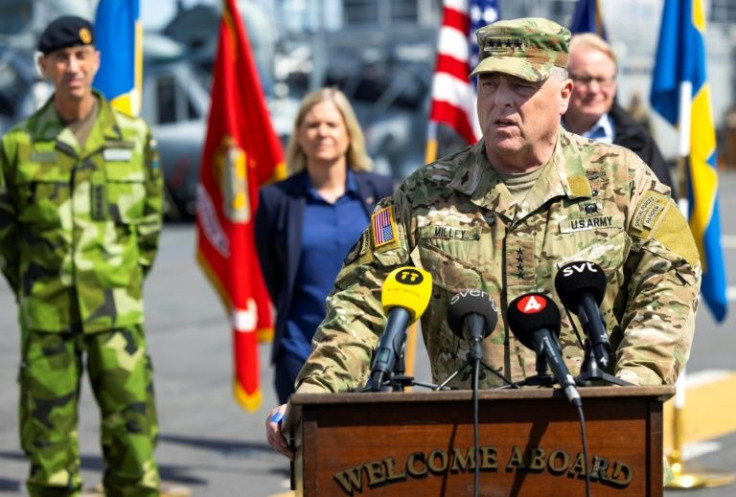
(593, 112)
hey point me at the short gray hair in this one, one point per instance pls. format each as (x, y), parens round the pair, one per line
(560, 73)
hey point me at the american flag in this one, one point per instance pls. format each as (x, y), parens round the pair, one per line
(383, 231)
(453, 94)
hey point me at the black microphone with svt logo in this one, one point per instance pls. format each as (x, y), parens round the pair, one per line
(581, 286)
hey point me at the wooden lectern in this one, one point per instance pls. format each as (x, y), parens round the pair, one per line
(422, 443)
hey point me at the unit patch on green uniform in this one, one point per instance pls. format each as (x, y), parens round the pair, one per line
(155, 158)
(360, 249)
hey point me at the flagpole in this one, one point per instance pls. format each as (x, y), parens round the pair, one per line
(686, 479)
(430, 155)
(430, 152)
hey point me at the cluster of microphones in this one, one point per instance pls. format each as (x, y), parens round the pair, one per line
(533, 318)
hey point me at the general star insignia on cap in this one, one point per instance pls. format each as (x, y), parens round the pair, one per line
(526, 48)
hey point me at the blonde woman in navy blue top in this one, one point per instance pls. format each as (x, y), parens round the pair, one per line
(306, 224)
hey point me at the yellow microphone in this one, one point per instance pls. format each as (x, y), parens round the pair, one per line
(405, 296)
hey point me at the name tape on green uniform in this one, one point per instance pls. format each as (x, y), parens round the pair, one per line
(117, 154)
(43, 157)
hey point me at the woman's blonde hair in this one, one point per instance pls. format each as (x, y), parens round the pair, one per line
(357, 159)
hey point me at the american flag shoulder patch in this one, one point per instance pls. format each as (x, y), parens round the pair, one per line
(383, 228)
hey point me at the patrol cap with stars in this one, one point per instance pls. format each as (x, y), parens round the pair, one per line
(527, 48)
(66, 31)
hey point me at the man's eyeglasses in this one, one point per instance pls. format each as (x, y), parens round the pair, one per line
(585, 80)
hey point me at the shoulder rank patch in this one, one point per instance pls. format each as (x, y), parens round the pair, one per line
(383, 229)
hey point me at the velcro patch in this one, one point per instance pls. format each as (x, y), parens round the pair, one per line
(117, 154)
(503, 45)
(674, 233)
(589, 223)
(383, 229)
(579, 186)
(360, 251)
(648, 211)
(590, 208)
(453, 233)
(44, 157)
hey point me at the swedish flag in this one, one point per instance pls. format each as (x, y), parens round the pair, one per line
(681, 94)
(119, 38)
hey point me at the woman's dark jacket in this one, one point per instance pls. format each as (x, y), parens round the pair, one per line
(278, 230)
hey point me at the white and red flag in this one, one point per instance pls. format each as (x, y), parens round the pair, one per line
(453, 93)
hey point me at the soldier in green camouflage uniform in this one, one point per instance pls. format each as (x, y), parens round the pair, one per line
(503, 216)
(80, 215)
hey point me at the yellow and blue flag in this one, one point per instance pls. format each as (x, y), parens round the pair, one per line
(119, 38)
(680, 61)
(587, 18)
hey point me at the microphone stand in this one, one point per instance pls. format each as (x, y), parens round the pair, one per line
(399, 380)
(542, 378)
(395, 381)
(474, 358)
(590, 371)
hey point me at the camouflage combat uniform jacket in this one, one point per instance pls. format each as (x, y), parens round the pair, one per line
(79, 226)
(457, 220)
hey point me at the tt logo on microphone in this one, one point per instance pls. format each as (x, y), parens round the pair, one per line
(532, 304)
(409, 276)
(583, 267)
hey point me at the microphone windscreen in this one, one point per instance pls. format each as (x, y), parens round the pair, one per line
(471, 302)
(576, 279)
(532, 312)
(409, 288)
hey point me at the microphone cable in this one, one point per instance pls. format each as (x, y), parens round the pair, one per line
(584, 436)
(574, 327)
(476, 426)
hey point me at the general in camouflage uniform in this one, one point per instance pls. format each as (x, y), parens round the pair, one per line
(503, 216)
(473, 225)
(80, 215)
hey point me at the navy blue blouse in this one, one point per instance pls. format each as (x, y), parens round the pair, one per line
(328, 232)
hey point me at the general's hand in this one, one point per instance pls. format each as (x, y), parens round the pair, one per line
(274, 436)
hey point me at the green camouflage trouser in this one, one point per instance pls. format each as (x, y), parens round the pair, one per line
(121, 377)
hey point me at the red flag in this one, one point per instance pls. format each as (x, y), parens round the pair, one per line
(241, 152)
(453, 94)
